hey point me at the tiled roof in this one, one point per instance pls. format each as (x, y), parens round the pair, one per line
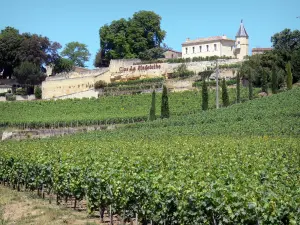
(171, 50)
(242, 31)
(208, 39)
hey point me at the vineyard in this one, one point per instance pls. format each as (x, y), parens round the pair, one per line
(104, 110)
(236, 165)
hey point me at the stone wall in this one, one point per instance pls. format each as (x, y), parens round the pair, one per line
(73, 85)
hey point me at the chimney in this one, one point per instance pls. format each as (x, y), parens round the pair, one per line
(224, 36)
(188, 39)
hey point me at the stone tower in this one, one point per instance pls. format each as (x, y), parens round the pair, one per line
(242, 42)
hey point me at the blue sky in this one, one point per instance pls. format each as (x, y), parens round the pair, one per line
(73, 20)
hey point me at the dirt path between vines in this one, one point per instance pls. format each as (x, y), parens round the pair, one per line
(23, 208)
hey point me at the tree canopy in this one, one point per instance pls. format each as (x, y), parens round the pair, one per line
(16, 48)
(138, 37)
(77, 52)
(286, 48)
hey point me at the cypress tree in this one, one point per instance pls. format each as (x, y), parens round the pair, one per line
(250, 85)
(225, 97)
(274, 81)
(289, 79)
(152, 109)
(264, 81)
(165, 113)
(204, 95)
(238, 88)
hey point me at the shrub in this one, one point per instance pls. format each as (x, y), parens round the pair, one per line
(152, 109)
(21, 91)
(100, 84)
(38, 92)
(10, 97)
(274, 81)
(264, 81)
(2, 94)
(165, 112)
(225, 97)
(204, 96)
(289, 79)
(182, 72)
(238, 88)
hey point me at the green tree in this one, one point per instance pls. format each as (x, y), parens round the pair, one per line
(225, 97)
(63, 65)
(238, 87)
(10, 41)
(152, 109)
(29, 74)
(38, 92)
(289, 79)
(77, 53)
(204, 95)
(264, 81)
(274, 81)
(250, 85)
(139, 36)
(165, 112)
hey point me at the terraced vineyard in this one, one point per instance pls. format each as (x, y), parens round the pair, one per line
(111, 109)
(238, 165)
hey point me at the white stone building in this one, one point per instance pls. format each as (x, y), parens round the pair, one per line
(218, 46)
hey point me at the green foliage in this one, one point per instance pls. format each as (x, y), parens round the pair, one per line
(289, 79)
(16, 48)
(139, 36)
(63, 65)
(38, 92)
(137, 82)
(104, 110)
(250, 85)
(165, 111)
(236, 165)
(225, 97)
(29, 74)
(204, 96)
(20, 91)
(264, 81)
(77, 52)
(238, 87)
(197, 59)
(212, 83)
(100, 84)
(152, 115)
(205, 74)
(10, 97)
(230, 66)
(274, 81)
(181, 72)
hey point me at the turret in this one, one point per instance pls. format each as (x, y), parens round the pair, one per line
(242, 42)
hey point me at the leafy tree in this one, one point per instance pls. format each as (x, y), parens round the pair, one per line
(139, 36)
(238, 87)
(286, 42)
(264, 81)
(38, 49)
(63, 65)
(10, 41)
(204, 95)
(77, 53)
(38, 92)
(225, 97)
(152, 109)
(29, 74)
(250, 85)
(165, 112)
(289, 79)
(295, 64)
(274, 81)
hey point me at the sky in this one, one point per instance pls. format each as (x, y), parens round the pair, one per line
(80, 20)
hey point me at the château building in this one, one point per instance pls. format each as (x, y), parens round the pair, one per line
(218, 46)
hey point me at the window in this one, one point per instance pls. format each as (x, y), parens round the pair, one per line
(193, 49)
(207, 48)
(215, 47)
(186, 50)
(172, 56)
(200, 48)
(239, 42)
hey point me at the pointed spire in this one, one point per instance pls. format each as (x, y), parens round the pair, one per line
(242, 31)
